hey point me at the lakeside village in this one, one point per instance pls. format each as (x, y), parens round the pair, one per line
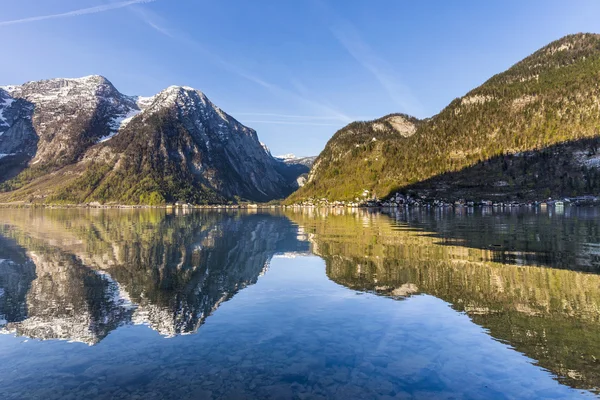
(401, 200)
(398, 200)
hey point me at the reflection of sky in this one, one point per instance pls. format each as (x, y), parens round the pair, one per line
(293, 331)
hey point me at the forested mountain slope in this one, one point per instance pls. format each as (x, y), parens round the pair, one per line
(501, 130)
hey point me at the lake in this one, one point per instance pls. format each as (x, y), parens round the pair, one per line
(310, 304)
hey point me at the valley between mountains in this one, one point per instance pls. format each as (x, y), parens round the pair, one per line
(528, 133)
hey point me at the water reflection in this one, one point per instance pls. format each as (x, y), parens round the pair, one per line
(569, 239)
(16, 273)
(529, 279)
(552, 315)
(77, 275)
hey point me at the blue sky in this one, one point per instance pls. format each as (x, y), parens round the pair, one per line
(296, 71)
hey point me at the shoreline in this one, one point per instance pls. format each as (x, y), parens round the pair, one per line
(536, 205)
(145, 207)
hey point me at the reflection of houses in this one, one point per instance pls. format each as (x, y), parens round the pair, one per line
(171, 276)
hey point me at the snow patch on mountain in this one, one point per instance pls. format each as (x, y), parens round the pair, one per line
(119, 122)
(285, 157)
(4, 104)
(136, 106)
(144, 102)
(9, 88)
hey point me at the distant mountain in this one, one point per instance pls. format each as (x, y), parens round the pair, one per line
(296, 168)
(291, 159)
(530, 132)
(81, 140)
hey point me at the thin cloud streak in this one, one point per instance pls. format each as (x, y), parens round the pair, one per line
(153, 20)
(347, 35)
(235, 69)
(289, 123)
(304, 117)
(77, 13)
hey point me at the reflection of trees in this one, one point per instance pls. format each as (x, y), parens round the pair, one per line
(567, 238)
(551, 315)
(175, 269)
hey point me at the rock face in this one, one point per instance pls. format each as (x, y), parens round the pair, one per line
(81, 140)
(70, 115)
(507, 130)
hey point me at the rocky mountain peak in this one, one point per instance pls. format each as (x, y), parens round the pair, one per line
(195, 151)
(60, 88)
(181, 96)
(579, 42)
(67, 115)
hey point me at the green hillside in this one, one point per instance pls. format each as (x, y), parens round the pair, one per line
(551, 97)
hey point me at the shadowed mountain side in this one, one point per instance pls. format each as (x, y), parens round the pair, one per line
(18, 138)
(170, 272)
(564, 170)
(550, 315)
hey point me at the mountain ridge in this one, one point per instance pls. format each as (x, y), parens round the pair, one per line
(528, 132)
(87, 142)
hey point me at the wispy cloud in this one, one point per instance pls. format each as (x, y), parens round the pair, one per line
(285, 93)
(294, 117)
(349, 37)
(290, 123)
(76, 13)
(153, 20)
(156, 23)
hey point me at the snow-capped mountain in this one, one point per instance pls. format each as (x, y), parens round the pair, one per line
(65, 116)
(174, 146)
(296, 167)
(285, 157)
(293, 159)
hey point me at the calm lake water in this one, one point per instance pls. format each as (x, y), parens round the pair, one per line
(444, 304)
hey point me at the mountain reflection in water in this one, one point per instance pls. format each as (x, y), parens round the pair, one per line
(530, 279)
(541, 308)
(84, 273)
